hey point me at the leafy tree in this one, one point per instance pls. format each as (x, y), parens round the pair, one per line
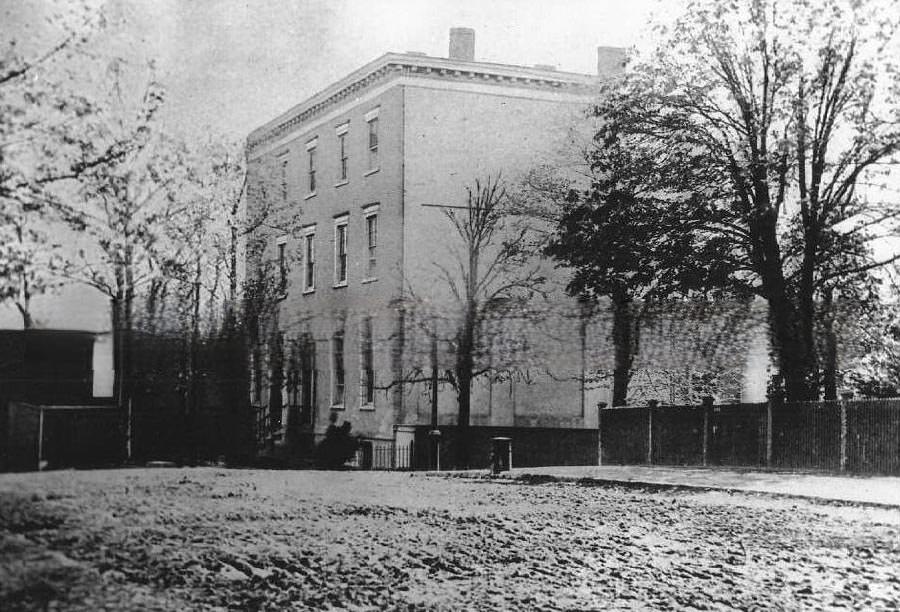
(125, 204)
(44, 112)
(875, 370)
(337, 447)
(625, 239)
(790, 111)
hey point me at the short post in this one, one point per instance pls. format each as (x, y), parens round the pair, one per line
(707, 404)
(435, 435)
(40, 445)
(651, 404)
(769, 433)
(600, 407)
(129, 431)
(845, 397)
(501, 454)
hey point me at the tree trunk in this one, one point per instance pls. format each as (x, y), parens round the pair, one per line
(796, 358)
(193, 407)
(23, 303)
(464, 389)
(829, 373)
(116, 306)
(790, 321)
(25, 311)
(623, 347)
(465, 362)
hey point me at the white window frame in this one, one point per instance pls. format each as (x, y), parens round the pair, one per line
(311, 180)
(366, 349)
(371, 119)
(369, 212)
(281, 258)
(342, 132)
(283, 163)
(339, 334)
(342, 222)
(309, 258)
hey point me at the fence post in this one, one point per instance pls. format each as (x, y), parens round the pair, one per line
(600, 407)
(40, 445)
(707, 404)
(769, 433)
(129, 431)
(845, 397)
(651, 404)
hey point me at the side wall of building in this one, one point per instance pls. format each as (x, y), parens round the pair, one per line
(455, 135)
(333, 309)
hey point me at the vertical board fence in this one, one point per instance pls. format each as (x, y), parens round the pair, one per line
(54, 437)
(861, 436)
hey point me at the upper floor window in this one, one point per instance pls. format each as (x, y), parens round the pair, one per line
(342, 132)
(282, 262)
(371, 216)
(283, 168)
(340, 252)
(372, 122)
(311, 165)
(309, 259)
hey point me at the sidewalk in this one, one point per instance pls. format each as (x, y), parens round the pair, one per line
(870, 490)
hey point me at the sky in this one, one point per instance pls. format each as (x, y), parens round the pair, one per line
(231, 65)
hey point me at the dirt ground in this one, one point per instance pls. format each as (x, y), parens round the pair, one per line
(207, 539)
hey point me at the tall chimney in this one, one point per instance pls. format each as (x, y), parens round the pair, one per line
(462, 44)
(610, 61)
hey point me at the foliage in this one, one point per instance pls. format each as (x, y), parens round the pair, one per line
(337, 447)
(44, 114)
(783, 118)
(877, 372)
(626, 239)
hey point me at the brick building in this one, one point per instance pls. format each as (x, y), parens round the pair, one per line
(360, 163)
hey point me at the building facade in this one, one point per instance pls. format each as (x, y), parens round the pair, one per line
(366, 165)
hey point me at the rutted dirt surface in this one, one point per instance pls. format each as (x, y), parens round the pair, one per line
(205, 539)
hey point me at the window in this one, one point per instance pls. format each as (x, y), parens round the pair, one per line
(342, 143)
(311, 165)
(283, 164)
(340, 252)
(367, 368)
(311, 171)
(337, 369)
(309, 259)
(373, 143)
(342, 151)
(371, 239)
(282, 262)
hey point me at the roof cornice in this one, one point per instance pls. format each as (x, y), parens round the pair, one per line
(396, 65)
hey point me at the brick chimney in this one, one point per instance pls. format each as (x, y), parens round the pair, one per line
(610, 61)
(462, 44)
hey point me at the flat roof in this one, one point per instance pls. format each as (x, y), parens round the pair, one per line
(505, 74)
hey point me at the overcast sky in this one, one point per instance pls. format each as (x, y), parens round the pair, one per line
(234, 64)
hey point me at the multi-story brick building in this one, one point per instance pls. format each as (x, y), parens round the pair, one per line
(360, 162)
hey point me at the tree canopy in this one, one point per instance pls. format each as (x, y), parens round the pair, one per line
(774, 125)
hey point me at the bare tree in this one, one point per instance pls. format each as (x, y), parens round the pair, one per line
(492, 277)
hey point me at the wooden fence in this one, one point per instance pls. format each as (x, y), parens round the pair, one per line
(52, 437)
(860, 436)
